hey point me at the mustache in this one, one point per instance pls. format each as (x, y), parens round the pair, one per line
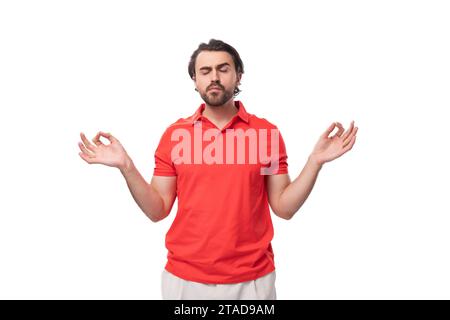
(216, 85)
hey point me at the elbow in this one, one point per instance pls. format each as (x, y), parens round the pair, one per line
(154, 219)
(287, 216)
(157, 218)
(287, 211)
(160, 213)
(283, 214)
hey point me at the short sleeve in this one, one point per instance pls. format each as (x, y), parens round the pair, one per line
(282, 157)
(163, 162)
(278, 155)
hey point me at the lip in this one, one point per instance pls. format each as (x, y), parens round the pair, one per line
(215, 88)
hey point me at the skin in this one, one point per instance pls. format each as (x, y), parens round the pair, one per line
(216, 68)
(286, 197)
(155, 198)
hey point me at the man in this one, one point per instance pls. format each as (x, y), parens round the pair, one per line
(226, 166)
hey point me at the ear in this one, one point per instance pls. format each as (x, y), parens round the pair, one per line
(195, 84)
(239, 77)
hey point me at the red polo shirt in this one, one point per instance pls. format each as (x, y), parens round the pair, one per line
(223, 229)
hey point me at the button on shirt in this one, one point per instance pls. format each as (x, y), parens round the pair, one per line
(222, 231)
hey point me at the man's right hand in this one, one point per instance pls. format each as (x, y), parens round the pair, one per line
(113, 154)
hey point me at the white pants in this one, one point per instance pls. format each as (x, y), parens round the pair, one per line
(175, 288)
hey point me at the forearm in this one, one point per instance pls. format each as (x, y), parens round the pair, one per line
(296, 193)
(143, 193)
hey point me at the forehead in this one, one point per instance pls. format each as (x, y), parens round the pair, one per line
(213, 58)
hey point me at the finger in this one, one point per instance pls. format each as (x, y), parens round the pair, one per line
(350, 137)
(329, 130)
(108, 136)
(96, 140)
(85, 157)
(85, 151)
(86, 142)
(350, 144)
(340, 130)
(349, 130)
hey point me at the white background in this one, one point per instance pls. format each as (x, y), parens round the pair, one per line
(376, 225)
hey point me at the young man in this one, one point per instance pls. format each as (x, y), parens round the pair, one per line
(226, 166)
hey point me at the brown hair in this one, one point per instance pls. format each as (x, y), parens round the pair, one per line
(217, 45)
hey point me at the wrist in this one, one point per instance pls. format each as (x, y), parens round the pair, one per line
(126, 166)
(314, 160)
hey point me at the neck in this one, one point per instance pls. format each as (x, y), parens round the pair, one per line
(221, 113)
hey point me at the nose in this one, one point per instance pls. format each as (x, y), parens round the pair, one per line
(214, 76)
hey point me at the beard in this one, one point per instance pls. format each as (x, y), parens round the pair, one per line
(217, 98)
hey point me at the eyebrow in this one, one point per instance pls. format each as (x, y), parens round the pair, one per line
(218, 66)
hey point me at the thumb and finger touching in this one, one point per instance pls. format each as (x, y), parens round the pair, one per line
(340, 130)
(88, 149)
(329, 130)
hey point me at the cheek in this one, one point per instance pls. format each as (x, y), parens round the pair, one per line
(201, 83)
(229, 80)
